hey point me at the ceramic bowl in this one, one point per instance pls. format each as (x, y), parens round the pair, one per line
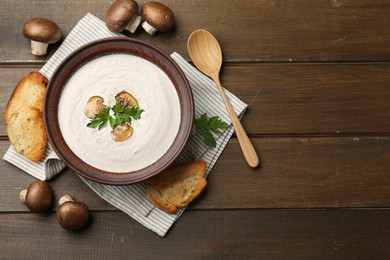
(89, 52)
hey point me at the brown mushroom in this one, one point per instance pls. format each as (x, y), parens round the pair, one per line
(72, 215)
(38, 197)
(94, 106)
(126, 99)
(123, 14)
(121, 132)
(158, 17)
(41, 32)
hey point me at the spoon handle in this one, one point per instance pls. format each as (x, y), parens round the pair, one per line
(246, 145)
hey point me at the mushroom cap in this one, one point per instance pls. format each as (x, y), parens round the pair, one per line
(120, 13)
(72, 215)
(42, 30)
(39, 197)
(159, 16)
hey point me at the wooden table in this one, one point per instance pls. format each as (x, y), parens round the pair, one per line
(316, 77)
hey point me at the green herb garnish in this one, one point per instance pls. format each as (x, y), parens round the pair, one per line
(207, 126)
(101, 120)
(120, 115)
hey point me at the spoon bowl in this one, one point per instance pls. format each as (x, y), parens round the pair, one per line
(206, 54)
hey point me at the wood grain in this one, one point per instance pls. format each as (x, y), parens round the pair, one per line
(205, 234)
(316, 77)
(248, 30)
(293, 99)
(319, 172)
(329, 99)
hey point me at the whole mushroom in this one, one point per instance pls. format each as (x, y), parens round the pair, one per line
(123, 14)
(38, 197)
(72, 215)
(158, 17)
(41, 32)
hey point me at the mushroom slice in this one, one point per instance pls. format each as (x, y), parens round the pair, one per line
(158, 17)
(41, 32)
(94, 106)
(121, 132)
(126, 99)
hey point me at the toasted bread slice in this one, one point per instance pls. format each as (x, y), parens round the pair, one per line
(26, 132)
(30, 91)
(177, 186)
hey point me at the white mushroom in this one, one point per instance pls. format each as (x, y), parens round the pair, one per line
(41, 32)
(121, 15)
(158, 17)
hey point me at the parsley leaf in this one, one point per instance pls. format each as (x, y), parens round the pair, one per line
(101, 120)
(121, 115)
(207, 126)
(134, 112)
(118, 108)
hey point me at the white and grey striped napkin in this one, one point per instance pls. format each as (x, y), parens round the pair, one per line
(132, 199)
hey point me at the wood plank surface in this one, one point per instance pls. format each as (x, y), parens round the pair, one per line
(248, 30)
(205, 234)
(292, 99)
(316, 77)
(297, 173)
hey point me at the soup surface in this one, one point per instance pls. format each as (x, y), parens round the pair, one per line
(106, 76)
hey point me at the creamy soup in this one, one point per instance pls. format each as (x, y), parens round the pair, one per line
(106, 76)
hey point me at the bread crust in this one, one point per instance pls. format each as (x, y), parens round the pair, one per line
(178, 186)
(23, 116)
(30, 91)
(26, 132)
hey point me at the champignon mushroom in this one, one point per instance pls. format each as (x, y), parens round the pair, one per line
(123, 14)
(72, 215)
(94, 106)
(126, 99)
(121, 132)
(41, 32)
(38, 197)
(158, 17)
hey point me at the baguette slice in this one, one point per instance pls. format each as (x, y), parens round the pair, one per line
(30, 91)
(26, 132)
(177, 186)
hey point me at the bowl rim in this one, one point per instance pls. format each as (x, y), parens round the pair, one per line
(93, 50)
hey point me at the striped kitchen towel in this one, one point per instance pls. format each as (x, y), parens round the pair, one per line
(132, 199)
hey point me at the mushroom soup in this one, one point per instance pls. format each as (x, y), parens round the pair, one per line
(106, 76)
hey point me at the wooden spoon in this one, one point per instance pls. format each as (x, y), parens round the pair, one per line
(206, 54)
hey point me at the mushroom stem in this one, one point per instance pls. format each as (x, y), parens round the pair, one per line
(133, 24)
(148, 28)
(22, 196)
(38, 48)
(64, 199)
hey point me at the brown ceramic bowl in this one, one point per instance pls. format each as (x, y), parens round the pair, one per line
(117, 46)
